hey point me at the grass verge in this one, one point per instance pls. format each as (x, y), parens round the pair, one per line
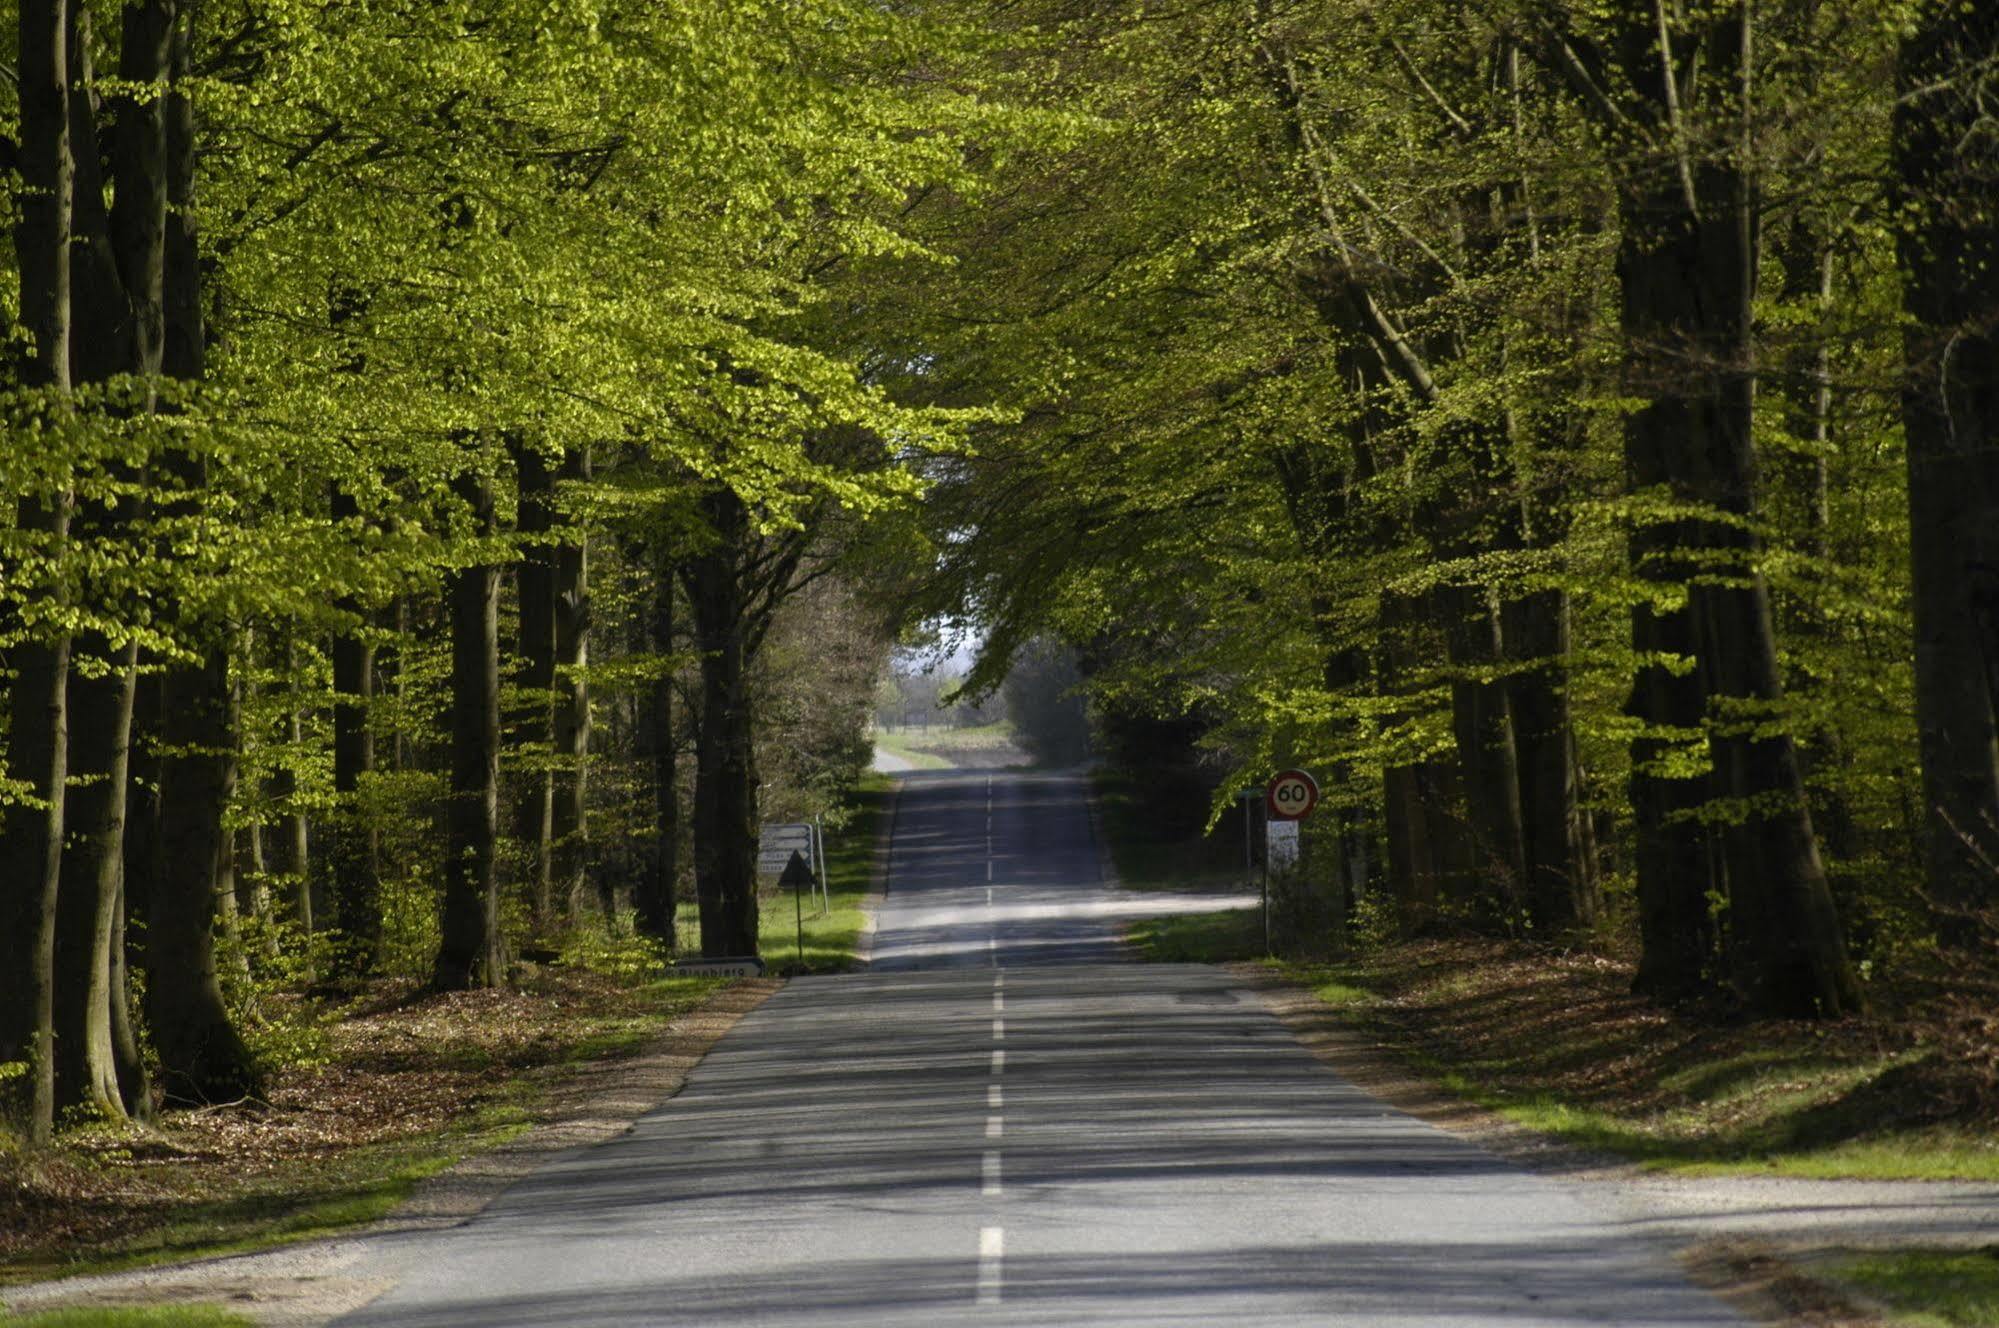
(900, 744)
(1929, 1288)
(832, 938)
(151, 1316)
(1553, 1041)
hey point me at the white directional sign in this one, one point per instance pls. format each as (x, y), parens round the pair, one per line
(778, 842)
(1281, 846)
(722, 968)
(1291, 795)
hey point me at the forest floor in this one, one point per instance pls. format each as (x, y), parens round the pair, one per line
(402, 1084)
(1552, 1039)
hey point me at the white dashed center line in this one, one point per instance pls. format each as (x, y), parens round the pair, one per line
(992, 1248)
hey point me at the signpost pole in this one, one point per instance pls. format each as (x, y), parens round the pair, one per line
(797, 878)
(1289, 797)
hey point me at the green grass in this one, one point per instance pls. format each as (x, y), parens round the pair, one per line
(898, 744)
(832, 938)
(1200, 938)
(150, 1316)
(1930, 1288)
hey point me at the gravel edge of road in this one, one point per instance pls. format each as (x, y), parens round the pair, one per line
(301, 1285)
(1759, 1281)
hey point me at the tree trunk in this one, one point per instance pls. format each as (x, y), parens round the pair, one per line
(1687, 270)
(725, 780)
(202, 1058)
(534, 807)
(38, 738)
(1482, 723)
(569, 826)
(655, 901)
(295, 836)
(1562, 888)
(470, 953)
(1946, 166)
(92, 873)
(1807, 263)
(354, 855)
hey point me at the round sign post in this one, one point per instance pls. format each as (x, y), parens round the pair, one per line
(1291, 795)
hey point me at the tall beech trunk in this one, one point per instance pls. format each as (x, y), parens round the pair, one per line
(202, 1057)
(88, 909)
(293, 860)
(569, 825)
(470, 952)
(1946, 166)
(117, 327)
(1562, 886)
(533, 728)
(1482, 723)
(354, 851)
(654, 899)
(725, 780)
(1806, 260)
(31, 833)
(1687, 273)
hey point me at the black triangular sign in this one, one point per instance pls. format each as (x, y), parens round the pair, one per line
(797, 875)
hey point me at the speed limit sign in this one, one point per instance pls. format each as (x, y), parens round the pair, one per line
(1291, 795)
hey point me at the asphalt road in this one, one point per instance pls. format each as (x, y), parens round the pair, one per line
(1002, 1123)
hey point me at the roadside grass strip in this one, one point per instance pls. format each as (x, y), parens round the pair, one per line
(1929, 1288)
(151, 1316)
(1552, 1040)
(832, 938)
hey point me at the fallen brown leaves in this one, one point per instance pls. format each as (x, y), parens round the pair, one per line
(404, 1068)
(1530, 1022)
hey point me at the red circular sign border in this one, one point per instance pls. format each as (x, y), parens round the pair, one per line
(1270, 795)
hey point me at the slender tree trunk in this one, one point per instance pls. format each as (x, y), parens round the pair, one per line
(87, 918)
(1807, 263)
(202, 1057)
(470, 953)
(1946, 166)
(354, 855)
(655, 901)
(1482, 723)
(534, 807)
(725, 781)
(294, 839)
(1562, 888)
(38, 741)
(569, 828)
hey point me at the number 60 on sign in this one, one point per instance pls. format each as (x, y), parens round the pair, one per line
(1291, 795)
